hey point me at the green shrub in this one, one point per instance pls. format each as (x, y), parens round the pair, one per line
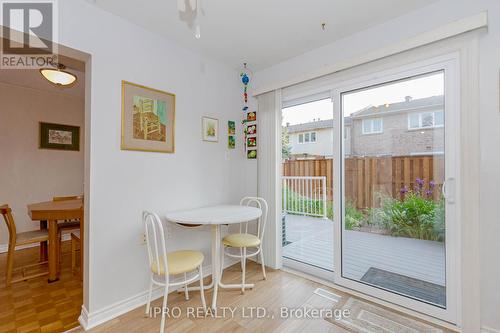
(353, 217)
(414, 216)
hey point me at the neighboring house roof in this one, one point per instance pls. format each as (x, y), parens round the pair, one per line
(315, 125)
(408, 104)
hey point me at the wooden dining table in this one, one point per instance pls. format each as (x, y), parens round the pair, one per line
(49, 213)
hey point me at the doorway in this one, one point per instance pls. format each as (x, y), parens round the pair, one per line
(45, 143)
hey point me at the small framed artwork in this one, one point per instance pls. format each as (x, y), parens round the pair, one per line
(148, 119)
(231, 127)
(251, 154)
(251, 116)
(210, 129)
(57, 136)
(252, 129)
(231, 142)
(252, 142)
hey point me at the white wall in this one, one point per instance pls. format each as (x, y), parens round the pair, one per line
(124, 183)
(29, 174)
(416, 22)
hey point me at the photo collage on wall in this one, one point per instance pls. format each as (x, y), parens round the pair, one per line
(251, 135)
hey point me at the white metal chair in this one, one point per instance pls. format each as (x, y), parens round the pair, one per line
(245, 240)
(162, 264)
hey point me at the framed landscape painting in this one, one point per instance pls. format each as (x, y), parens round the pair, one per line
(210, 129)
(148, 119)
(57, 136)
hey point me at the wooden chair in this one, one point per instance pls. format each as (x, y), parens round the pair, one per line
(67, 225)
(245, 240)
(22, 238)
(162, 265)
(75, 246)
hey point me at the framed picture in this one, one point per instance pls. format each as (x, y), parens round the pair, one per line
(57, 136)
(252, 142)
(251, 116)
(231, 142)
(252, 129)
(251, 154)
(210, 129)
(148, 119)
(231, 127)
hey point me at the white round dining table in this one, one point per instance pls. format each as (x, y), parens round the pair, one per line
(216, 216)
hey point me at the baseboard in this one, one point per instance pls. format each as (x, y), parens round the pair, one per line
(84, 318)
(5, 247)
(486, 329)
(90, 320)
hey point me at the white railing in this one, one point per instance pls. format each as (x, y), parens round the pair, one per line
(304, 195)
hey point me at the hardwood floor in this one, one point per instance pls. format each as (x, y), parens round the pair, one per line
(281, 289)
(35, 305)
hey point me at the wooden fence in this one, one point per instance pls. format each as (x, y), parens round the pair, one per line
(367, 179)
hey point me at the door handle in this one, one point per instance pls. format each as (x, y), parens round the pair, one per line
(449, 195)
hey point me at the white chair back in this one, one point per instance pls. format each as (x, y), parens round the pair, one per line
(261, 222)
(155, 242)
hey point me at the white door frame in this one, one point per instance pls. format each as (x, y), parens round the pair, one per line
(449, 64)
(467, 48)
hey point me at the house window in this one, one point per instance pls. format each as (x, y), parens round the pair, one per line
(425, 120)
(308, 137)
(373, 126)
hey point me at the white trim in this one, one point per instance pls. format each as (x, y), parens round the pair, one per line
(305, 268)
(451, 29)
(269, 173)
(486, 329)
(449, 63)
(5, 247)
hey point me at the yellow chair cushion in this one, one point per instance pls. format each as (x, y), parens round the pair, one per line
(179, 262)
(241, 240)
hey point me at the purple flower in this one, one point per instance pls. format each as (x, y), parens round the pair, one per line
(420, 182)
(403, 190)
(432, 184)
(428, 193)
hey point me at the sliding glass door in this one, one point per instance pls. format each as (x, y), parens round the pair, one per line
(307, 151)
(395, 180)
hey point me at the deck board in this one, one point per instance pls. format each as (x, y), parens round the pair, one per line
(312, 243)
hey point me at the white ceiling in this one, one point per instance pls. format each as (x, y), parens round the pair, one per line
(261, 32)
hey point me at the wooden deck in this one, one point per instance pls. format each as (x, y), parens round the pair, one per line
(312, 243)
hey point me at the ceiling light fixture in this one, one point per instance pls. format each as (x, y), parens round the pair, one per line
(58, 76)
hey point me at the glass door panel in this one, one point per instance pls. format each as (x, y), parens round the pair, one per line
(393, 211)
(307, 151)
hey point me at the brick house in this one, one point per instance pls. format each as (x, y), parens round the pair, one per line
(411, 127)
